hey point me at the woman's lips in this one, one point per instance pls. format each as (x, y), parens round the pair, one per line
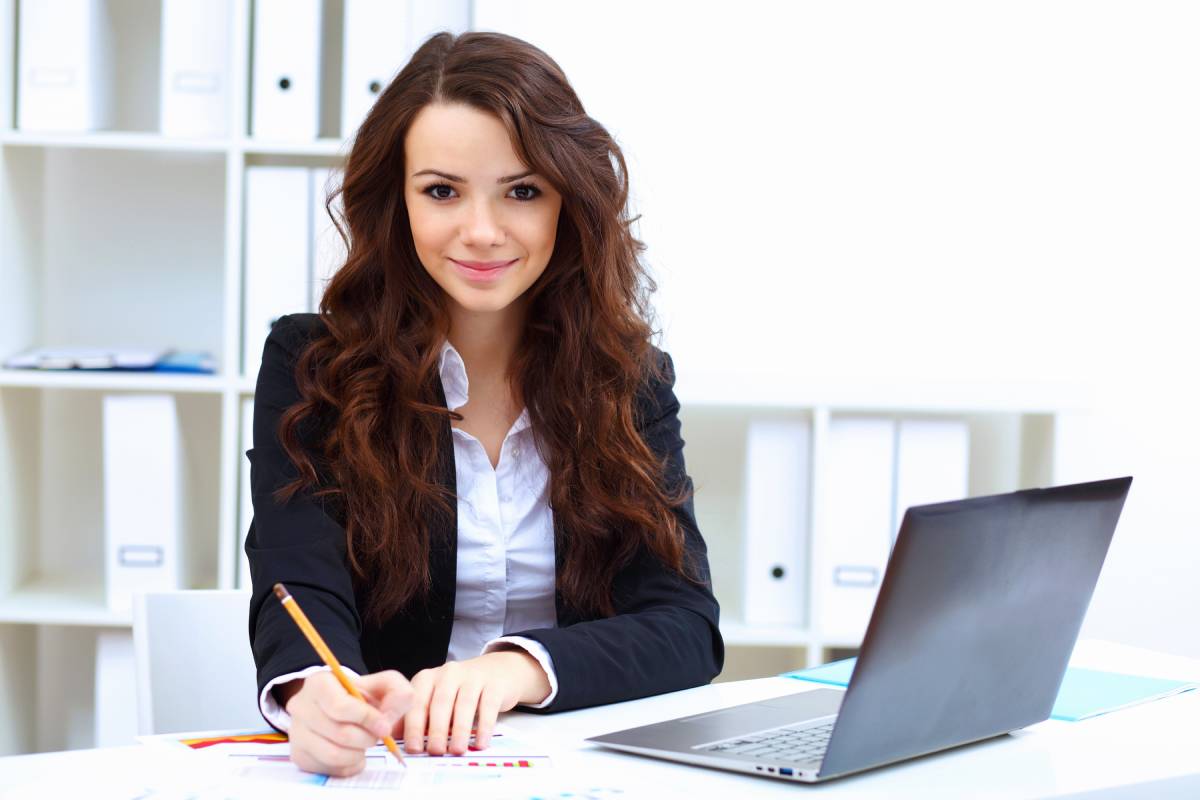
(490, 272)
(482, 264)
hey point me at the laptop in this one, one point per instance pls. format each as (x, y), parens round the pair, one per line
(978, 613)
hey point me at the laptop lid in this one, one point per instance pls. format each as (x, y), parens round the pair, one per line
(976, 619)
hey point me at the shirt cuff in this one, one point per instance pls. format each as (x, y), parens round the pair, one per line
(271, 710)
(535, 649)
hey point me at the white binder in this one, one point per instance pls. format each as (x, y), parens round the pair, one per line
(286, 69)
(143, 496)
(194, 80)
(931, 463)
(328, 250)
(277, 244)
(245, 500)
(65, 63)
(857, 523)
(115, 717)
(776, 532)
(372, 55)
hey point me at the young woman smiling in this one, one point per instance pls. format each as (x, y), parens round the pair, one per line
(467, 467)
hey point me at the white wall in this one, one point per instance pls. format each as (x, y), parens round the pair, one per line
(1003, 192)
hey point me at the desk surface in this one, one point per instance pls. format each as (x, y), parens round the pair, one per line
(1148, 742)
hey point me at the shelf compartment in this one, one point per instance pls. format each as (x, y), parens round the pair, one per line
(52, 538)
(108, 253)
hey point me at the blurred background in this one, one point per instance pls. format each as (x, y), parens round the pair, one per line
(905, 252)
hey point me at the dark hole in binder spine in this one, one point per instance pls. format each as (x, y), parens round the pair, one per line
(285, 82)
(777, 571)
(374, 86)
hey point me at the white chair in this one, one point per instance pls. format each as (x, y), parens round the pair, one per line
(194, 667)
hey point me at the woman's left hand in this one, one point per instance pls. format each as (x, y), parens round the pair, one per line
(446, 700)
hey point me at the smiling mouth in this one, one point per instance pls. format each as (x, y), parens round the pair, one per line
(483, 266)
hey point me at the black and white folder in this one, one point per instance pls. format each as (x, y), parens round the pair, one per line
(776, 522)
(286, 85)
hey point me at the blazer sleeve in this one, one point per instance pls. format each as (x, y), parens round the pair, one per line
(665, 635)
(298, 544)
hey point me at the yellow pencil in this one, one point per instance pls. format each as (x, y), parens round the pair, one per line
(326, 654)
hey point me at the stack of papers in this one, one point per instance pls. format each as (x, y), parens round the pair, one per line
(1084, 693)
(99, 358)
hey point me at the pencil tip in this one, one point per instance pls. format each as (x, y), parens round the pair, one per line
(281, 592)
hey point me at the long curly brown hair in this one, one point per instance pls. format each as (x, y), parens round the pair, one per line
(583, 359)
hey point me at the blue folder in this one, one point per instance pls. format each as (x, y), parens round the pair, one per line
(1084, 692)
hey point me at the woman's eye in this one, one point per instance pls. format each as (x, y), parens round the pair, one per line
(535, 191)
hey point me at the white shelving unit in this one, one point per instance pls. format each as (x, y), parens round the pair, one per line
(127, 237)
(1012, 447)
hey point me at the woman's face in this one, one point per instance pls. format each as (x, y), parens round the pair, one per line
(471, 203)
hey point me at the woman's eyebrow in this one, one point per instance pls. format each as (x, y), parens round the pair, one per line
(456, 179)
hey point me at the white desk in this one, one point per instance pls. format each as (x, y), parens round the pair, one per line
(1149, 742)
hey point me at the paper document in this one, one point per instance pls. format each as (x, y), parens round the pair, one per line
(1084, 693)
(258, 756)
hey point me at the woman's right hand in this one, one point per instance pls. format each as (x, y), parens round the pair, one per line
(331, 729)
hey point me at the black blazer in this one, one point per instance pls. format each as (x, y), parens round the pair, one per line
(664, 637)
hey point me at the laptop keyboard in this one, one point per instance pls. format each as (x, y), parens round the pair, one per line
(793, 743)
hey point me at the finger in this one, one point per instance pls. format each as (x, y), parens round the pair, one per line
(341, 706)
(464, 717)
(416, 718)
(441, 706)
(390, 692)
(490, 701)
(314, 753)
(347, 734)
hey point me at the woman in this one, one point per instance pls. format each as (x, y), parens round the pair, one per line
(467, 468)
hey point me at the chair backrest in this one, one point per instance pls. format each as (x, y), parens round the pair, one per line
(195, 670)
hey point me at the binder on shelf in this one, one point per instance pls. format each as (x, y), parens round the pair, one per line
(65, 64)
(285, 104)
(276, 253)
(328, 250)
(115, 719)
(143, 496)
(245, 500)
(857, 529)
(371, 55)
(776, 522)
(194, 77)
(932, 463)
(379, 37)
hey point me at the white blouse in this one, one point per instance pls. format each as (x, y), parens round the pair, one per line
(505, 545)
